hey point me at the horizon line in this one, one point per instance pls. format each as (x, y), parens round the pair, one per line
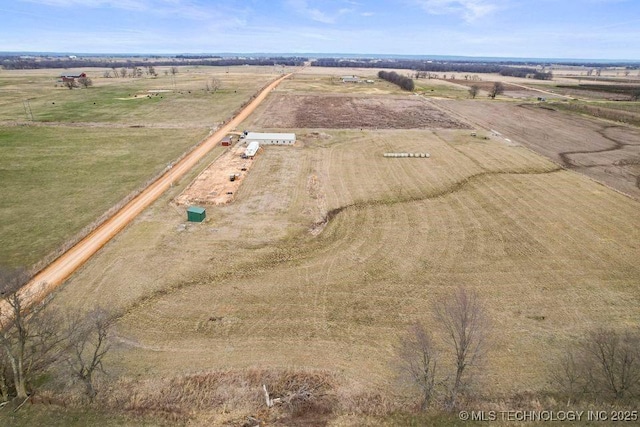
(324, 55)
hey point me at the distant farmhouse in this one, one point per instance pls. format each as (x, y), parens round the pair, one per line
(72, 77)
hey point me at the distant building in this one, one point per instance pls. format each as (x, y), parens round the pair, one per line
(350, 79)
(271, 138)
(72, 77)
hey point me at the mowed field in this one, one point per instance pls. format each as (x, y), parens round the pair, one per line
(330, 251)
(67, 156)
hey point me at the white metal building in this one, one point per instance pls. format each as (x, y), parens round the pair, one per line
(350, 79)
(252, 149)
(271, 138)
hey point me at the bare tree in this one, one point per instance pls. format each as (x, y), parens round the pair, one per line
(466, 326)
(213, 85)
(106, 74)
(88, 345)
(569, 375)
(5, 376)
(473, 90)
(123, 72)
(606, 364)
(70, 83)
(497, 89)
(85, 82)
(114, 71)
(29, 336)
(418, 361)
(614, 362)
(174, 71)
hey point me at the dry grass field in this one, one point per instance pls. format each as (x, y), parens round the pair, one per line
(330, 251)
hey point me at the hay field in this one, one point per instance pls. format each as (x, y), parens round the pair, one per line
(87, 149)
(331, 250)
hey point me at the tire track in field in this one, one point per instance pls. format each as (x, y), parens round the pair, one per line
(457, 186)
(284, 254)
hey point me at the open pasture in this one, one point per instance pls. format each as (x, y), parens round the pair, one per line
(180, 100)
(56, 180)
(67, 156)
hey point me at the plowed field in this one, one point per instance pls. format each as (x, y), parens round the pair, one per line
(349, 112)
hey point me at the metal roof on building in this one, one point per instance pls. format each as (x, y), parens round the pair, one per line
(259, 136)
(252, 149)
(196, 209)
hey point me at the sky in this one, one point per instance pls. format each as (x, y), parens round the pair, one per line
(578, 29)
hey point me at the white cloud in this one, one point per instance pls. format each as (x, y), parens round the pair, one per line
(303, 8)
(470, 10)
(183, 8)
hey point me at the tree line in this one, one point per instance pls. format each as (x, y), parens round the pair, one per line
(526, 72)
(431, 66)
(404, 82)
(18, 63)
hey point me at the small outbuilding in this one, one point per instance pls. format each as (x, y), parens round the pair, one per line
(226, 141)
(252, 149)
(196, 214)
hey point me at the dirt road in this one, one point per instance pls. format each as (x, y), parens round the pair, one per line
(58, 271)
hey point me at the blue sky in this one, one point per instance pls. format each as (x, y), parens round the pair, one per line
(596, 29)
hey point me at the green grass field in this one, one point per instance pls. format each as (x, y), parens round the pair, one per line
(180, 100)
(56, 180)
(86, 149)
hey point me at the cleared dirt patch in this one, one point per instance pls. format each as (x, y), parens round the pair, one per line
(213, 185)
(350, 112)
